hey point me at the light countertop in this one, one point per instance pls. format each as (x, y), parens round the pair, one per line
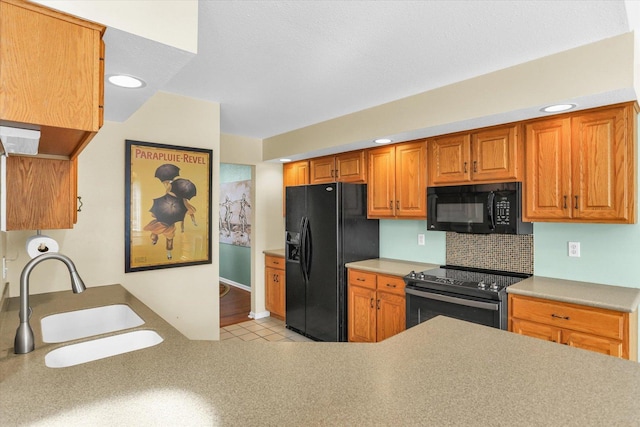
(389, 266)
(590, 294)
(441, 372)
(274, 252)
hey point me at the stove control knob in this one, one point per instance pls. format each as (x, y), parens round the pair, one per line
(482, 285)
(421, 276)
(412, 274)
(494, 286)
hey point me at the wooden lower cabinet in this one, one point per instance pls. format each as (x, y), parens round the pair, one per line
(376, 306)
(604, 331)
(275, 291)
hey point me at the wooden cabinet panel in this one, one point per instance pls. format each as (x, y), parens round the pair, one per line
(58, 88)
(345, 167)
(381, 192)
(352, 167)
(376, 306)
(581, 167)
(275, 291)
(488, 155)
(548, 173)
(361, 314)
(322, 170)
(449, 158)
(41, 193)
(391, 316)
(398, 181)
(294, 173)
(605, 331)
(411, 180)
(496, 154)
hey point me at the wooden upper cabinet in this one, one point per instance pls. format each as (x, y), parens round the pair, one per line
(51, 75)
(488, 155)
(345, 167)
(397, 181)
(581, 167)
(294, 173)
(50, 201)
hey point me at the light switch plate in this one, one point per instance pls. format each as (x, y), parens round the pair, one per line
(574, 249)
(420, 239)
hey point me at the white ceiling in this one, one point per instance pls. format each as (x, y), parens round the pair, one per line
(275, 66)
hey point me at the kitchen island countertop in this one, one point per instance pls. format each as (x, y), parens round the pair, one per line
(441, 372)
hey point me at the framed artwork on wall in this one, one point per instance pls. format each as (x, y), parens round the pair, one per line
(167, 206)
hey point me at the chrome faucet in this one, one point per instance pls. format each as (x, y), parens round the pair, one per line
(24, 342)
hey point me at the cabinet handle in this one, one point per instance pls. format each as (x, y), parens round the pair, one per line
(80, 205)
(360, 279)
(378, 304)
(560, 317)
(475, 166)
(565, 202)
(576, 202)
(389, 285)
(371, 302)
(465, 167)
(390, 204)
(397, 204)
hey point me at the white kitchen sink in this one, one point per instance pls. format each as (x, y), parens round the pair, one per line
(76, 354)
(85, 323)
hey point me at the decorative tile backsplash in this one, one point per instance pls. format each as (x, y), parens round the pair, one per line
(504, 252)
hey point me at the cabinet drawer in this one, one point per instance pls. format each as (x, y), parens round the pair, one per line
(274, 262)
(393, 284)
(595, 321)
(361, 278)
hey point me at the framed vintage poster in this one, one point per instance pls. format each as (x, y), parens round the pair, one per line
(167, 206)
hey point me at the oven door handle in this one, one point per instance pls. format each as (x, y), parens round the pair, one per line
(454, 300)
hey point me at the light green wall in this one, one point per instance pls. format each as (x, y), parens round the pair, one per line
(399, 240)
(235, 261)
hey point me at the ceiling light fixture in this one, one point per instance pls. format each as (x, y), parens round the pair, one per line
(123, 80)
(557, 108)
(285, 160)
(382, 140)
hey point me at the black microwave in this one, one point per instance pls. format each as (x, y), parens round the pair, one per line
(480, 209)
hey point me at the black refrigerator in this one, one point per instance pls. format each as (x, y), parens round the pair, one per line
(326, 227)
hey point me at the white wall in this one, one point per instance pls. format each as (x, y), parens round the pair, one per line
(268, 220)
(187, 297)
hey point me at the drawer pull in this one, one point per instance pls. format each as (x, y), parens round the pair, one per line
(389, 285)
(360, 279)
(560, 317)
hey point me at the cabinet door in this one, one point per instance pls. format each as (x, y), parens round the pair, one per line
(275, 292)
(361, 314)
(449, 159)
(602, 160)
(593, 343)
(535, 330)
(295, 173)
(392, 315)
(41, 193)
(411, 180)
(351, 167)
(381, 194)
(322, 170)
(547, 182)
(56, 86)
(496, 155)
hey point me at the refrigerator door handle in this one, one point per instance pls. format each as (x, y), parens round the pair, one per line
(303, 252)
(307, 248)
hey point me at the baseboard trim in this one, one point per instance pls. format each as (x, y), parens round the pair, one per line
(236, 284)
(259, 315)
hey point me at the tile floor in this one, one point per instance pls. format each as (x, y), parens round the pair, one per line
(265, 329)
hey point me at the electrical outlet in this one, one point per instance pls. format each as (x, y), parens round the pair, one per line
(574, 249)
(420, 239)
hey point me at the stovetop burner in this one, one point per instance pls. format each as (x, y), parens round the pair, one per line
(464, 280)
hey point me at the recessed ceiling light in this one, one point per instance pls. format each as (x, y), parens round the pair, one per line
(285, 160)
(129, 82)
(382, 140)
(557, 108)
